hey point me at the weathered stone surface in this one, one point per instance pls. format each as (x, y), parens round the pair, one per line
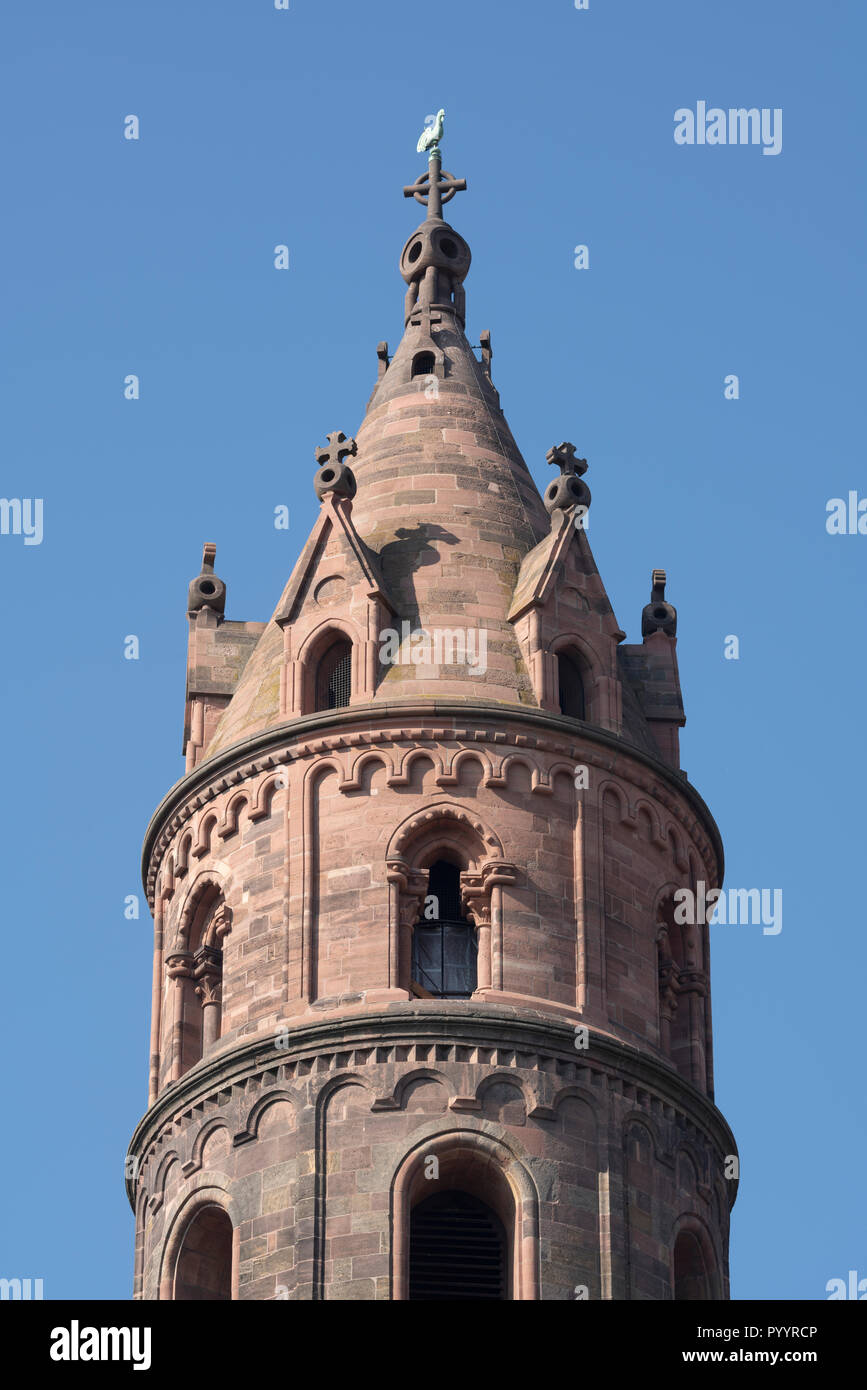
(301, 1080)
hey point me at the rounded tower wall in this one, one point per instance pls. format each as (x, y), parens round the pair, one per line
(419, 963)
(317, 1152)
(330, 849)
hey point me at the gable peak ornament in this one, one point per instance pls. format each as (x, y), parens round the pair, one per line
(569, 490)
(333, 474)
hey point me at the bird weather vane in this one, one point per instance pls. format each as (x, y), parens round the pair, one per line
(437, 186)
(432, 134)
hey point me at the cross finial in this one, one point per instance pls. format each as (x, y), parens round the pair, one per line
(563, 456)
(435, 187)
(339, 447)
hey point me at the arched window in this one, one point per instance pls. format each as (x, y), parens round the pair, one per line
(444, 947)
(471, 1229)
(570, 686)
(681, 994)
(204, 1265)
(423, 364)
(334, 676)
(197, 972)
(457, 1250)
(692, 1282)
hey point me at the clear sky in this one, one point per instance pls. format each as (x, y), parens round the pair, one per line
(261, 127)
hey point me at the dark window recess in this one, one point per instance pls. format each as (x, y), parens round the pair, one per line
(571, 687)
(444, 949)
(457, 1250)
(691, 1283)
(204, 1268)
(334, 677)
(423, 364)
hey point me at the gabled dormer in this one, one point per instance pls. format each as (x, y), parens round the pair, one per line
(561, 613)
(335, 605)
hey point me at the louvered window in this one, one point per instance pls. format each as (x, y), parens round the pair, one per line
(457, 1250)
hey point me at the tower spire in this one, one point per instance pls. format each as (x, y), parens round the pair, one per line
(435, 260)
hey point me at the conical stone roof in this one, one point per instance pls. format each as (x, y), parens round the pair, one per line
(446, 507)
(446, 501)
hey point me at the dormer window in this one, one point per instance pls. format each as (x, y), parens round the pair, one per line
(423, 364)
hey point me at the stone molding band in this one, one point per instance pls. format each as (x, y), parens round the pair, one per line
(208, 778)
(541, 1039)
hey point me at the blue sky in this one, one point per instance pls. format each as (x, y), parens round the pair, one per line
(155, 257)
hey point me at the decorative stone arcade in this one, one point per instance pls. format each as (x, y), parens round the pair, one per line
(322, 1123)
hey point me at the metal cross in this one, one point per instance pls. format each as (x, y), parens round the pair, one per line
(563, 456)
(338, 448)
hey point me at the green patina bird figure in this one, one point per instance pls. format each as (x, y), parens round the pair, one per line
(432, 134)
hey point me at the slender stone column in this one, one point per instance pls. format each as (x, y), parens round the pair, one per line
(156, 1001)
(178, 969)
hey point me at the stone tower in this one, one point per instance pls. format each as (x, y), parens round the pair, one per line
(426, 1021)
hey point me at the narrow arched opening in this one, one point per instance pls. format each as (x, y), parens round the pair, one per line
(198, 976)
(457, 1250)
(423, 364)
(691, 1276)
(454, 1167)
(203, 1271)
(570, 686)
(682, 987)
(334, 676)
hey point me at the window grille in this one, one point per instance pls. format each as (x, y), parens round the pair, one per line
(334, 680)
(423, 364)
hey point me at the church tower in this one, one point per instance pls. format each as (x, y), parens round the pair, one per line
(427, 1022)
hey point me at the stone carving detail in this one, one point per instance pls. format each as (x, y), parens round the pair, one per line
(658, 615)
(180, 965)
(333, 475)
(569, 490)
(177, 831)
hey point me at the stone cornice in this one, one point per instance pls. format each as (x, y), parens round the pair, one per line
(477, 1025)
(255, 754)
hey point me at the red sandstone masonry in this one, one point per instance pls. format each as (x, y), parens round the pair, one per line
(325, 1083)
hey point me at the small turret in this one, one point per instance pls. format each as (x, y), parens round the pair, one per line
(207, 590)
(658, 615)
